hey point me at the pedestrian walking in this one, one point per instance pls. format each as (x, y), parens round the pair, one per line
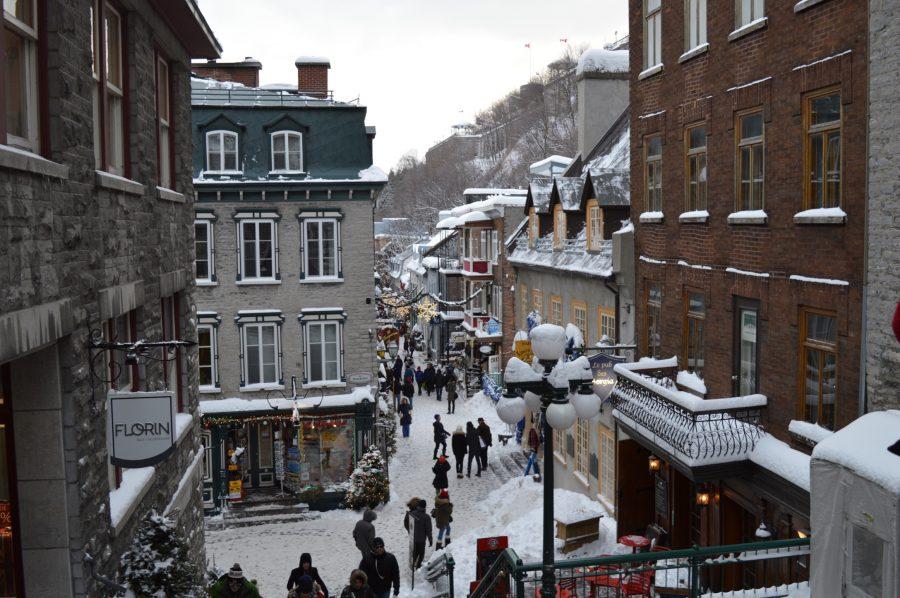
(358, 587)
(234, 585)
(458, 445)
(405, 416)
(443, 515)
(428, 379)
(440, 380)
(440, 437)
(381, 570)
(408, 392)
(534, 444)
(485, 432)
(420, 379)
(398, 369)
(473, 439)
(306, 569)
(364, 533)
(451, 393)
(306, 588)
(418, 524)
(440, 470)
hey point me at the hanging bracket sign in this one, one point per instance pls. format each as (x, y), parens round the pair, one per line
(604, 377)
(140, 427)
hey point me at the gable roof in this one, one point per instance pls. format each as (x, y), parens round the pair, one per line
(539, 194)
(567, 191)
(607, 168)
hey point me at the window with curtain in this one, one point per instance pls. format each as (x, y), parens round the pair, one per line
(20, 54)
(694, 321)
(823, 150)
(653, 173)
(222, 152)
(818, 360)
(653, 313)
(323, 352)
(652, 33)
(696, 167)
(747, 376)
(750, 162)
(287, 151)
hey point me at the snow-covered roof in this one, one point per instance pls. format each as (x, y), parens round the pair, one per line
(448, 223)
(492, 191)
(539, 193)
(589, 263)
(431, 261)
(210, 92)
(599, 60)
(862, 446)
(476, 216)
(779, 458)
(548, 165)
(569, 190)
(238, 405)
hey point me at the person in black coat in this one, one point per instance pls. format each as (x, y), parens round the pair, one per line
(306, 568)
(428, 379)
(485, 432)
(440, 436)
(405, 416)
(382, 570)
(459, 445)
(440, 470)
(473, 439)
(439, 380)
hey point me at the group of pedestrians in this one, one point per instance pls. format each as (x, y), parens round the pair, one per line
(474, 442)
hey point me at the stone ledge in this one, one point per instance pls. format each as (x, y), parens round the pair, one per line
(115, 182)
(168, 195)
(804, 4)
(16, 159)
(748, 28)
(650, 71)
(694, 52)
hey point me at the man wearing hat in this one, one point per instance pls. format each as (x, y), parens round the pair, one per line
(234, 585)
(382, 570)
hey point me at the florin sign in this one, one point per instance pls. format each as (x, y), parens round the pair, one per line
(141, 427)
(604, 376)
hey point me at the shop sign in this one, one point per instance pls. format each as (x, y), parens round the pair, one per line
(523, 351)
(278, 447)
(359, 378)
(140, 427)
(457, 337)
(604, 376)
(661, 497)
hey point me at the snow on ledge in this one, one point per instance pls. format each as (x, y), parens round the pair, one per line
(751, 83)
(237, 405)
(125, 499)
(691, 380)
(650, 260)
(812, 432)
(694, 216)
(821, 60)
(696, 51)
(748, 217)
(862, 446)
(747, 272)
(656, 68)
(695, 266)
(831, 281)
(748, 28)
(653, 217)
(598, 60)
(821, 216)
(779, 458)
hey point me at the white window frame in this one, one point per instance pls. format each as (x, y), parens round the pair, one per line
(245, 361)
(210, 252)
(222, 134)
(244, 278)
(652, 33)
(496, 307)
(309, 347)
(287, 135)
(747, 11)
(495, 246)
(214, 357)
(694, 24)
(595, 223)
(337, 275)
(164, 122)
(582, 450)
(115, 125)
(606, 457)
(29, 36)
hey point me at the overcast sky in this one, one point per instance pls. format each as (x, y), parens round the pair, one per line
(420, 66)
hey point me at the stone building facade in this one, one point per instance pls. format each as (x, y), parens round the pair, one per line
(748, 174)
(284, 259)
(96, 238)
(882, 359)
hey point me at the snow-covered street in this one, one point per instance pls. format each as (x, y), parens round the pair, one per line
(501, 502)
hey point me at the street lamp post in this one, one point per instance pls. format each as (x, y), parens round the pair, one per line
(552, 386)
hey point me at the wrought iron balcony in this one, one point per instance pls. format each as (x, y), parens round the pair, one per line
(693, 430)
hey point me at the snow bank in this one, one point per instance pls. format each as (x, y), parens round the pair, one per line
(862, 447)
(135, 483)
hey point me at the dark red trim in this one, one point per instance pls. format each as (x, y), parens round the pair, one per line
(126, 93)
(2, 89)
(7, 419)
(132, 336)
(100, 57)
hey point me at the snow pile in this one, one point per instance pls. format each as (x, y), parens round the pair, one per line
(135, 483)
(372, 174)
(782, 460)
(862, 447)
(548, 341)
(812, 432)
(574, 336)
(238, 405)
(692, 381)
(519, 371)
(598, 60)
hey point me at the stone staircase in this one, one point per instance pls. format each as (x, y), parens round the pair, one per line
(274, 510)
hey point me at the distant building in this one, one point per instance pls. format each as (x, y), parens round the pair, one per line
(284, 273)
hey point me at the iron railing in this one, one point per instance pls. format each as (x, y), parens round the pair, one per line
(439, 573)
(769, 569)
(241, 96)
(696, 435)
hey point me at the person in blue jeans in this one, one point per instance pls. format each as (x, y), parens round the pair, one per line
(534, 444)
(405, 416)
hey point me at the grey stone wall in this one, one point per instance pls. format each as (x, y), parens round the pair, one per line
(292, 295)
(883, 229)
(65, 237)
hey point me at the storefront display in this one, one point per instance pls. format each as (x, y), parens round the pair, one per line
(10, 549)
(326, 448)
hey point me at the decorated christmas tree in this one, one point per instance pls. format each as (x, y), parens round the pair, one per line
(369, 484)
(158, 563)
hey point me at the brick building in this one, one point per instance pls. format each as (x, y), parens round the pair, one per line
(284, 274)
(748, 171)
(95, 233)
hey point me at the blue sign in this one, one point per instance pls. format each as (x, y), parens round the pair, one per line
(604, 377)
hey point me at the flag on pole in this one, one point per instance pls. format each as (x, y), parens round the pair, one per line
(528, 45)
(564, 40)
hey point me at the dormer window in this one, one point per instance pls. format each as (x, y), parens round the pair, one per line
(287, 151)
(559, 227)
(594, 225)
(222, 152)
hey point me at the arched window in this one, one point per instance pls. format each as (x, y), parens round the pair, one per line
(222, 151)
(287, 151)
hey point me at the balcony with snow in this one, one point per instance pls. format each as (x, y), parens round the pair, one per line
(664, 409)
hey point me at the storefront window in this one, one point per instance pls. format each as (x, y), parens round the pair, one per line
(326, 452)
(9, 541)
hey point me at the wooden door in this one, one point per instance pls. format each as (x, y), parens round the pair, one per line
(634, 488)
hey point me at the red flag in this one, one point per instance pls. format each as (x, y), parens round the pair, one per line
(564, 40)
(528, 45)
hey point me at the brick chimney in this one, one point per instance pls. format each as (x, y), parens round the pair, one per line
(312, 76)
(245, 72)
